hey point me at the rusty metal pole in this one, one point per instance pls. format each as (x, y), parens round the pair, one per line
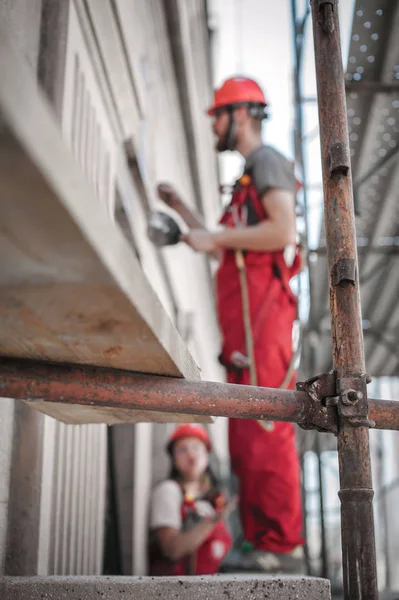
(356, 493)
(39, 382)
(324, 572)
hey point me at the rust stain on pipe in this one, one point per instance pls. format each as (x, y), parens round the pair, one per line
(72, 384)
(93, 386)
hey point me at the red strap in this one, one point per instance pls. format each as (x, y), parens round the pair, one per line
(256, 202)
(288, 272)
(245, 189)
(242, 192)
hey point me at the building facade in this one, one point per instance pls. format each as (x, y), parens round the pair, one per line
(128, 83)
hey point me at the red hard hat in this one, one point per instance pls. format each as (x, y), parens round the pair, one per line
(237, 90)
(189, 430)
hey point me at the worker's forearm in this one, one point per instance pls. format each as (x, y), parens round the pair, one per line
(192, 220)
(186, 542)
(265, 237)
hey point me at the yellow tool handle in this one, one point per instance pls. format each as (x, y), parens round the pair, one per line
(249, 342)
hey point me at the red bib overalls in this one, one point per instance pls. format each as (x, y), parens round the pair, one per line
(266, 462)
(209, 555)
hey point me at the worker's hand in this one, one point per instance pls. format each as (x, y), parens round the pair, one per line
(200, 240)
(226, 510)
(168, 194)
(239, 360)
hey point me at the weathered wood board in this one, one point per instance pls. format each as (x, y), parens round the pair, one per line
(71, 289)
(79, 414)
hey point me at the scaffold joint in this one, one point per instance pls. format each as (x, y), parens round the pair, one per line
(331, 400)
(326, 8)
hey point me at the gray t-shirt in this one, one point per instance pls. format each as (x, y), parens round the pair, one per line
(270, 169)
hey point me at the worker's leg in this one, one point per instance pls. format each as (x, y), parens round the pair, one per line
(266, 461)
(247, 516)
(277, 505)
(268, 470)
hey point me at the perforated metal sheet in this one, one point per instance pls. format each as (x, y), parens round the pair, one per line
(373, 120)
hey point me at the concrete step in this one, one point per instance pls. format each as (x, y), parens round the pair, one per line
(215, 587)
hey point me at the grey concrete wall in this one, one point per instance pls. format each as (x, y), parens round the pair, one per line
(51, 67)
(23, 18)
(123, 446)
(52, 475)
(23, 518)
(6, 434)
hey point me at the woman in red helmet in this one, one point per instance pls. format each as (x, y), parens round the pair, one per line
(188, 534)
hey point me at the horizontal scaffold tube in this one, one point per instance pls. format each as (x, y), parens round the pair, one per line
(91, 386)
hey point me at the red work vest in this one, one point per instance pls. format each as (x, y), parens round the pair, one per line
(267, 276)
(206, 560)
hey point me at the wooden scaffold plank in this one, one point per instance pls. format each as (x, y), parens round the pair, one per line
(71, 289)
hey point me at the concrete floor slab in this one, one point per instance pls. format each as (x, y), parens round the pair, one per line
(216, 587)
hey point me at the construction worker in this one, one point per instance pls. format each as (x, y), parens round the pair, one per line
(187, 530)
(256, 310)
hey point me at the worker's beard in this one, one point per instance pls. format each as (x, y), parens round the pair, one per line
(229, 140)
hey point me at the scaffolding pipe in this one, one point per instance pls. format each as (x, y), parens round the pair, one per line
(323, 534)
(93, 386)
(356, 492)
